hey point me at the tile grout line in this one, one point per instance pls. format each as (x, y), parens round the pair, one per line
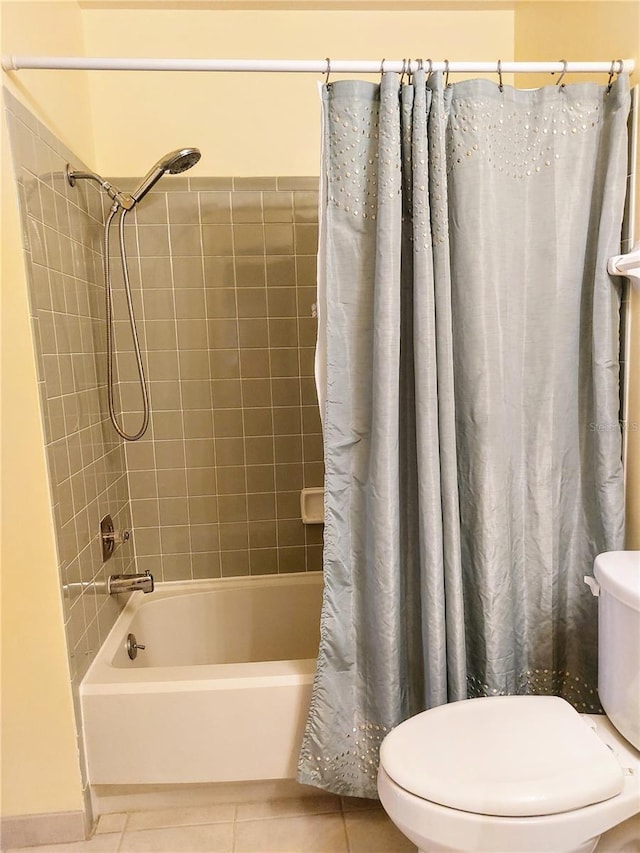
(234, 834)
(119, 847)
(270, 378)
(344, 826)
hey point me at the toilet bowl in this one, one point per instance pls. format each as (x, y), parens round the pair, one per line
(555, 790)
(527, 774)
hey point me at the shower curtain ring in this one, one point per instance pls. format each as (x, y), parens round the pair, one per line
(406, 71)
(500, 83)
(613, 71)
(382, 66)
(327, 72)
(446, 72)
(562, 73)
(430, 61)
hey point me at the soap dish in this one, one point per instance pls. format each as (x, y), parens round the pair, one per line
(312, 505)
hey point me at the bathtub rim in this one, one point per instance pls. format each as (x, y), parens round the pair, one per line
(103, 678)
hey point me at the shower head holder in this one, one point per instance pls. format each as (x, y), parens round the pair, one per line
(122, 199)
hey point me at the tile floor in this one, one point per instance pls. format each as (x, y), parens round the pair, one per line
(318, 824)
(321, 824)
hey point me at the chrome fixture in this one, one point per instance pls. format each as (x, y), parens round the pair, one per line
(123, 199)
(130, 583)
(110, 537)
(174, 163)
(133, 645)
(75, 588)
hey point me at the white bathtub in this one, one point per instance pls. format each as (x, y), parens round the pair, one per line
(221, 691)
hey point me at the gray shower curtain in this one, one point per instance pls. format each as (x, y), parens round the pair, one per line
(469, 340)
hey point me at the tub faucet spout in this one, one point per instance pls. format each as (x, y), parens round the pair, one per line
(130, 583)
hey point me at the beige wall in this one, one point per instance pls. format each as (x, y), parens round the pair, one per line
(59, 99)
(251, 124)
(591, 31)
(575, 30)
(40, 771)
(633, 437)
(37, 736)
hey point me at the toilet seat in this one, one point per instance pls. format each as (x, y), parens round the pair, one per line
(432, 827)
(510, 756)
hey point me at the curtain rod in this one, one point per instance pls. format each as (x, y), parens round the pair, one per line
(314, 66)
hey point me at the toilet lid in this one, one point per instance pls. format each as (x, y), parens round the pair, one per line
(503, 755)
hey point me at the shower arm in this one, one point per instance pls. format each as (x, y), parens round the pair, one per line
(123, 199)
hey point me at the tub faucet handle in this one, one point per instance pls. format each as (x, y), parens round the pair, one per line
(133, 645)
(110, 537)
(118, 536)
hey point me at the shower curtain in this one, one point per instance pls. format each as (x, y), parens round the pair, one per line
(469, 333)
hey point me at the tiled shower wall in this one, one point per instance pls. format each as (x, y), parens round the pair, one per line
(226, 317)
(62, 240)
(223, 274)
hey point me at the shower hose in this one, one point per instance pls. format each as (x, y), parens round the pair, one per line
(132, 322)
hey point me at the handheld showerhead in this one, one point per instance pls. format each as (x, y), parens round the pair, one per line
(174, 163)
(180, 161)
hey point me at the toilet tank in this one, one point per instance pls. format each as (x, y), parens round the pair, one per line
(618, 575)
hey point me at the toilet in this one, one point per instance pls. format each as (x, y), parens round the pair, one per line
(528, 774)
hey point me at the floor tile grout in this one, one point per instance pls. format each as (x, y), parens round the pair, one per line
(344, 827)
(234, 836)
